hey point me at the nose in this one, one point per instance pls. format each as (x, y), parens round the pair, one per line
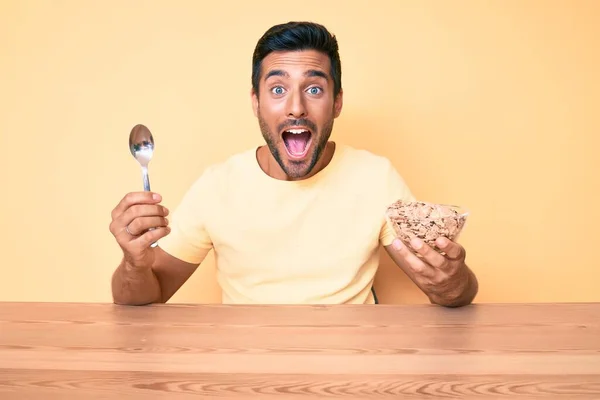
(295, 105)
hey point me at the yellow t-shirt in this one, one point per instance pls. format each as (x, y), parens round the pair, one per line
(313, 241)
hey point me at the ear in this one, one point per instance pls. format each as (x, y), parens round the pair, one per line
(338, 103)
(254, 99)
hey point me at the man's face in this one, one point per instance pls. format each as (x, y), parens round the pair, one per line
(296, 108)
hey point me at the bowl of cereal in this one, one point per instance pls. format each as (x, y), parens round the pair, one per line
(426, 221)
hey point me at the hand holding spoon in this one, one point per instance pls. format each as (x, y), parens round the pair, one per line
(141, 145)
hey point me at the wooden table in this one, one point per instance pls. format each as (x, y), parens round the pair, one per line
(104, 351)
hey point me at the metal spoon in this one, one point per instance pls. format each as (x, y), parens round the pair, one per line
(141, 145)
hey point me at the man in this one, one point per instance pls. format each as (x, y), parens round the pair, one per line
(299, 220)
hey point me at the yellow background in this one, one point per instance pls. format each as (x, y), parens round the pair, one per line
(492, 105)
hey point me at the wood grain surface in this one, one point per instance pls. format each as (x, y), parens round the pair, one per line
(105, 351)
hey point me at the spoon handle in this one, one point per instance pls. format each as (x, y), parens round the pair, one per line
(147, 189)
(146, 179)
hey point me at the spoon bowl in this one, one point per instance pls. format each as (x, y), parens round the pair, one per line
(141, 146)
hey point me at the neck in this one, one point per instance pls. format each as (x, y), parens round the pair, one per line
(271, 167)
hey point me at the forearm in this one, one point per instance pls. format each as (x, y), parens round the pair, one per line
(135, 286)
(460, 294)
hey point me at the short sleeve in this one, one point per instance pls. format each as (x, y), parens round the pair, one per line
(189, 239)
(395, 189)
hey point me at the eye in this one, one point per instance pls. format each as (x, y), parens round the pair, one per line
(278, 90)
(314, 90)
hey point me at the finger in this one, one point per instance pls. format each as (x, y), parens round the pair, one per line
(135, 198)
(142, 224)
(119, 226)
(410, 260)
(145, 210)
(428, 254)
(453, 250)
(150, 237)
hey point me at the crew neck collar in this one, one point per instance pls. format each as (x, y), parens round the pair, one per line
(333, 164)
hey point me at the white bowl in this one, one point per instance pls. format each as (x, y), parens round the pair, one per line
(426, 221)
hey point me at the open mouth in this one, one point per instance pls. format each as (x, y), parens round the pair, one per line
(297, 142)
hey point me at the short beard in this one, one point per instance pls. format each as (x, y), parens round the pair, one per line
(296, 170)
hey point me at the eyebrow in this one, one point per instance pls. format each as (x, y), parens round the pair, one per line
(310, 73)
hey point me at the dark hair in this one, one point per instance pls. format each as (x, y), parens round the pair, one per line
(294, 36)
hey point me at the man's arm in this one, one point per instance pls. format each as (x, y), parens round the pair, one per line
(149, 274)
(445, 279)
(145, 285)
